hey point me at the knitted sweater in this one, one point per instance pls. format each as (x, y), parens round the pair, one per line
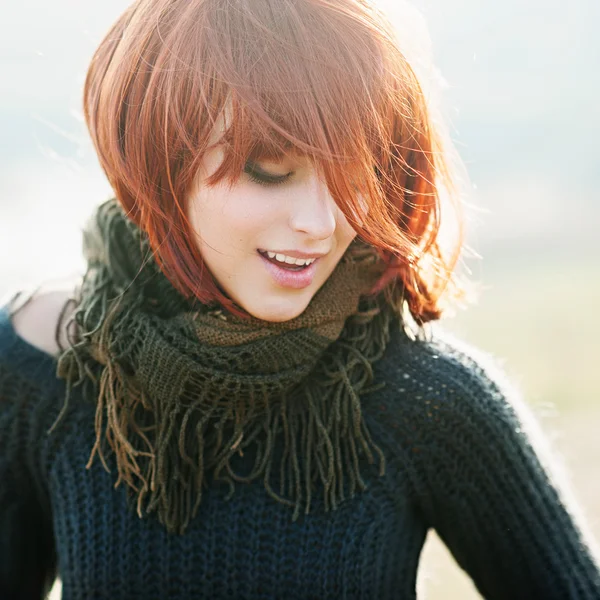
(459, 460)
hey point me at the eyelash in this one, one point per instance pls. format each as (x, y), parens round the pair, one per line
(266, 181)
(269, 181)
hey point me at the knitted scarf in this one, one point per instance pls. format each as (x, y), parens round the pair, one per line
(181, 387)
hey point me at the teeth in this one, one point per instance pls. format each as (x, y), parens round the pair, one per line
(289, 260)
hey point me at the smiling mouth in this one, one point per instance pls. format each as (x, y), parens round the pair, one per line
(286, 266)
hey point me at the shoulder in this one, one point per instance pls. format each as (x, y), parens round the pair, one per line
(38, 317)
(30, 391)
(447, 391)
(448, 406)
(437, 360)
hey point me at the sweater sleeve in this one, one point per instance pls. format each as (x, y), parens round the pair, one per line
(487, 483)
(27, 555)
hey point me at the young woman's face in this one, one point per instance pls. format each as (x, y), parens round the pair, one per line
(235, 229)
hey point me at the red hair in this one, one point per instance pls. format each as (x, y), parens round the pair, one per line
(322, 78)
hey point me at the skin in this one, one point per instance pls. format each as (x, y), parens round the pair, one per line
(231, 225)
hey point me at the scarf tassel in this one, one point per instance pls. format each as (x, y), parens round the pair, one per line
(166, 438)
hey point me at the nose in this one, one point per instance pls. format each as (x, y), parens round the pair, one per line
(313, 209)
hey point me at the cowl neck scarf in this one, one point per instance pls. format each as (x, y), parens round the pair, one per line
(181, 387)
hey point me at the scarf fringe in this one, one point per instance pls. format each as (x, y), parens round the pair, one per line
(322, 441)
(165, 451)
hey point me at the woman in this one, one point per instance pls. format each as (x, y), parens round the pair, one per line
(243, 397)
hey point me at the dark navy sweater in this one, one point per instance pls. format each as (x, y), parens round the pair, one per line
(461, 459)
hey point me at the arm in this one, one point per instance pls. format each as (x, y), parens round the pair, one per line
(488, 488)
(27, 555)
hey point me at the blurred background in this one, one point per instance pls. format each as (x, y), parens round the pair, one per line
(520, 97)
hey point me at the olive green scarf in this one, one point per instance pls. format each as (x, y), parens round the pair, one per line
(181, 387)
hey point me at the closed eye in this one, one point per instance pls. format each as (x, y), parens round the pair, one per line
(259, 176)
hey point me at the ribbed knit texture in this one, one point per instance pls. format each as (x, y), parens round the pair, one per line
(458, 460)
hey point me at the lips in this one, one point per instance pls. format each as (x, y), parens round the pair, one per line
(289, 277)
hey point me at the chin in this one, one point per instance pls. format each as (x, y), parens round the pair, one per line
(278, 310)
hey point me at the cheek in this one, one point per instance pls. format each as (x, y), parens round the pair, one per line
(223, 218)
(244, 218)
(244, 211)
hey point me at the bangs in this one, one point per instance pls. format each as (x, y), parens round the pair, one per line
(304, 82)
